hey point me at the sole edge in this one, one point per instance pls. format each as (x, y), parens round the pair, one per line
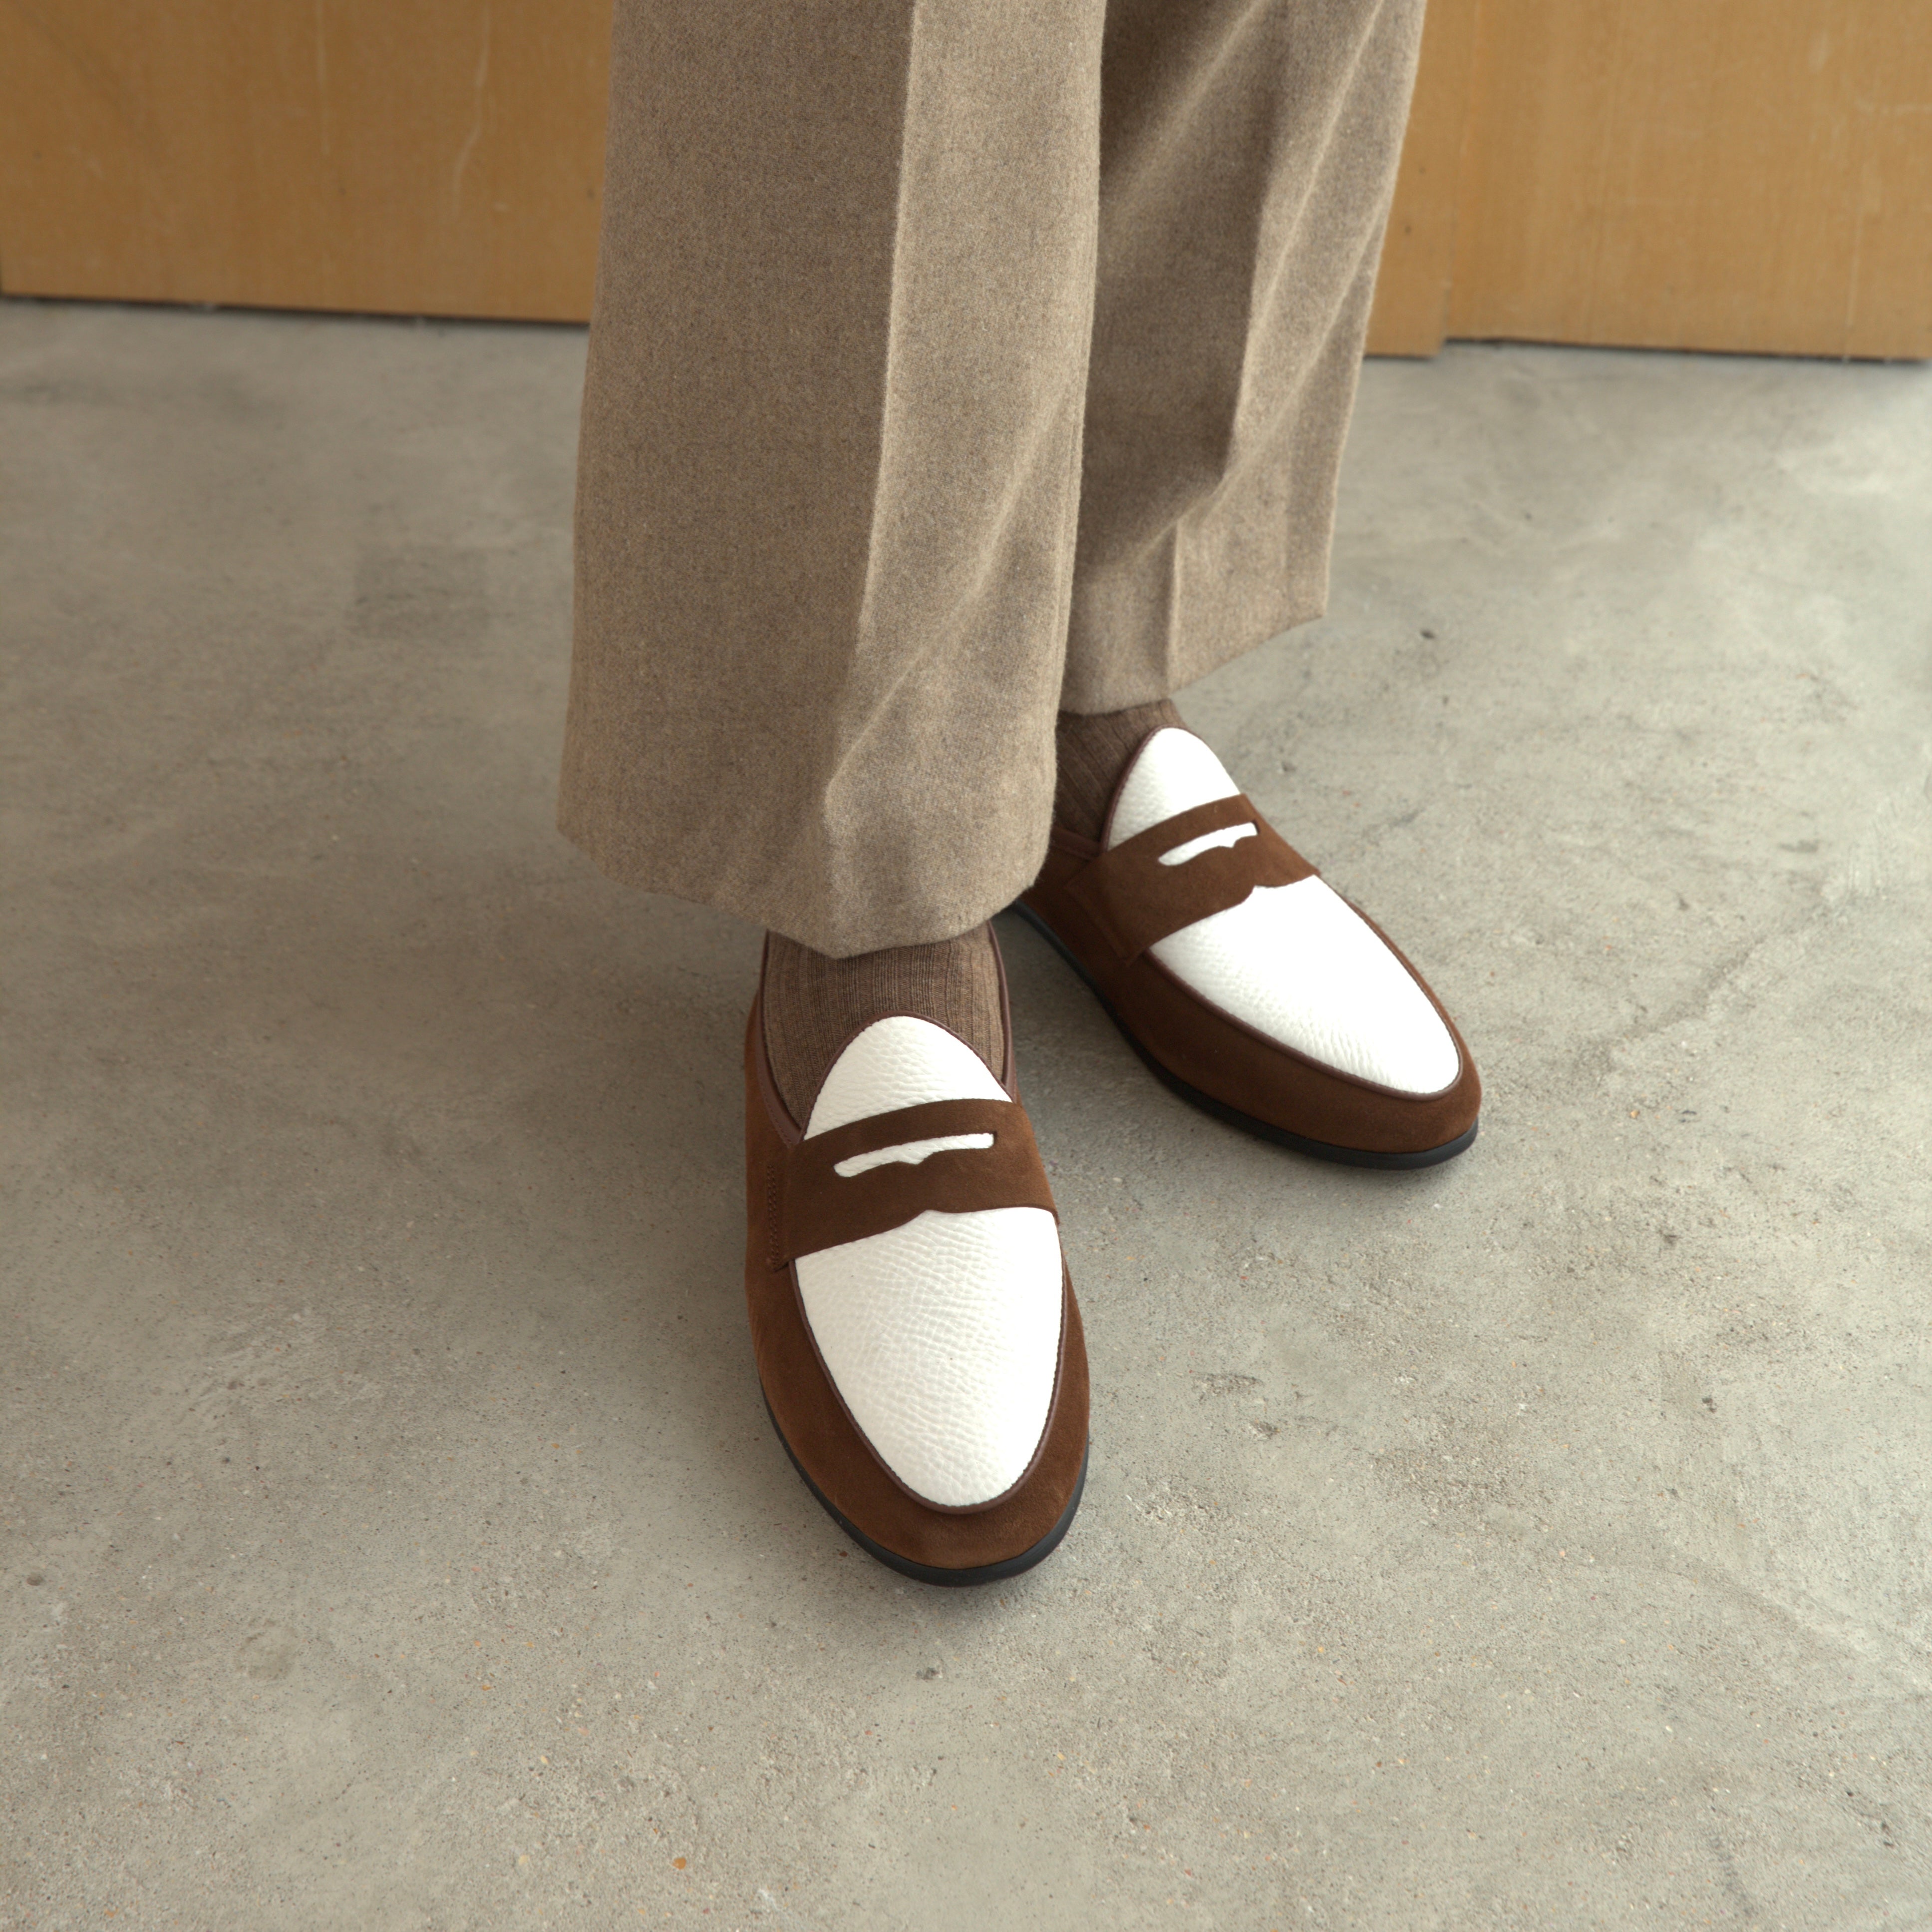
(1266, 1130)
(928, 1573)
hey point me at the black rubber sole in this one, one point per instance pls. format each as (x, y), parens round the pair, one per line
(927, 1573)
(1346, 1156)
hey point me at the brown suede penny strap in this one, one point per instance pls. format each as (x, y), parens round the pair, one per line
(809, 1205)
(1135, 900)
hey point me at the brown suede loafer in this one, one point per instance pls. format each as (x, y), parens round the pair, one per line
(916, 1332)
(1243, 982)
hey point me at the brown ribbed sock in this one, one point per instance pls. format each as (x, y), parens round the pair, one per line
(814, 1005)
(1093, 753)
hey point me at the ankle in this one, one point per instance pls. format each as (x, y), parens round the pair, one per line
(813, 1005)
(1092, 750)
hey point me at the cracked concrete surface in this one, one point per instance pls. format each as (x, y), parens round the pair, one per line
(391, 1534)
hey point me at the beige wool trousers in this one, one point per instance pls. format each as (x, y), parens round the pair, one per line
(952, 362)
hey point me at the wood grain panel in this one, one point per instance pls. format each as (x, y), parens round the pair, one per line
(1732, 174)
(1411, 311)
(440, 156)
(1715, 174)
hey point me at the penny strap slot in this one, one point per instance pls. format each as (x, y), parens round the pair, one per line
(810, 1205)
(1135, 900)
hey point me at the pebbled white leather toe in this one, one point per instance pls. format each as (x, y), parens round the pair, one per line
(943, 1337)
(1296, 963)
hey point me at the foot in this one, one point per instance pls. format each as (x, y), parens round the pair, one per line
(917, 1335)
(813, 1005)
(1248, 985)
(1090, 753)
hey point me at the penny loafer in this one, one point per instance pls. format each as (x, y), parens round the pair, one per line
(915, 1328)
(1243, 980)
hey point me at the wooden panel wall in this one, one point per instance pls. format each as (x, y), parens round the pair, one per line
(416, 157)
(1411, 312)
(1724, 174)
(1716, 174)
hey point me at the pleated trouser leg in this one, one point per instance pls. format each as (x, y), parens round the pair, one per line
(831, 468)
(829, 464)
(1249, 152)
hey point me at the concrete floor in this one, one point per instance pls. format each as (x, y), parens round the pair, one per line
(393, 1536)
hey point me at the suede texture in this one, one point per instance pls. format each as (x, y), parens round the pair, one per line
(814, 1421)
(1220, 1056)
(1134, 900)
(810, 1206)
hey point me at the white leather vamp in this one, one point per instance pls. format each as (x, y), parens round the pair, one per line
(1296, 963)
(942, 1335)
